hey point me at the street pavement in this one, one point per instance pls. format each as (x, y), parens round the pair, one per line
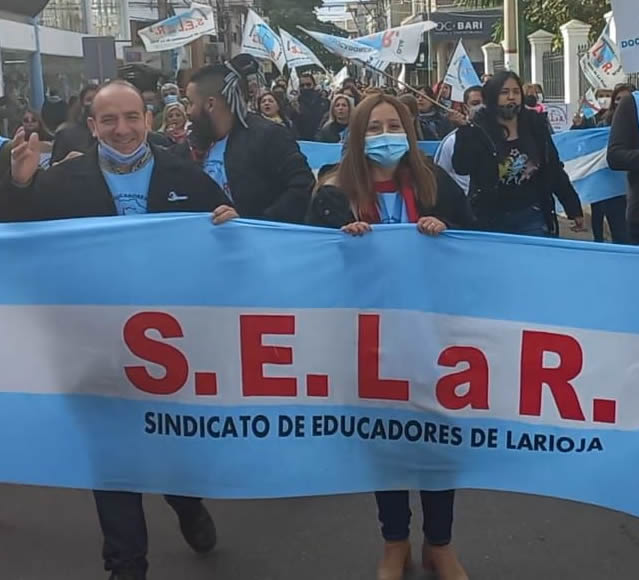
(50, 534)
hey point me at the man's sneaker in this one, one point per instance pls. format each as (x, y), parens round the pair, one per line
(128, 575)
(199, 531)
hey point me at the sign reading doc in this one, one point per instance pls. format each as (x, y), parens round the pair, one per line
(624, 12)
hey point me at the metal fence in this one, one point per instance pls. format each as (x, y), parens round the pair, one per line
(553, 76)
(633, 79)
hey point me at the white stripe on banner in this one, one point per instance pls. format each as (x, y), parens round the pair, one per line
(586, 165)
(412, 343)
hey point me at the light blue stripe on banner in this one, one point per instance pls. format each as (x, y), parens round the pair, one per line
(85, 441)
(185, 260)
(320, 154)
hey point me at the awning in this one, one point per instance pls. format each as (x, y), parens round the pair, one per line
(24, 7)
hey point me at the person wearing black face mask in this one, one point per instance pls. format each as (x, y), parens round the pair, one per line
(76, 137)
(513, 164)
(311, 110)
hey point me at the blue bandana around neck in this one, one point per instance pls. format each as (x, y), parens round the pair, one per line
(121, 162)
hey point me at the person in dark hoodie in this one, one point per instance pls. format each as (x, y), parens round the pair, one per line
(312, 107)
(76, 136)
(54, 111)
(335, 129)
(433, 120)
(623, 155)
(513, 165)
(256, 162)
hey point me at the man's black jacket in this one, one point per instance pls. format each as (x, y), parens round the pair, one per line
(267, 174)
(77, 188)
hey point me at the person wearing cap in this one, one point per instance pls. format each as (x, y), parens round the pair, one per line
(255, 161)
(170, 93)
(122, 175)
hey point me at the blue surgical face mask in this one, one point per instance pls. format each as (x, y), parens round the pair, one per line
(386, 149)
(114, 156)
(168, 99)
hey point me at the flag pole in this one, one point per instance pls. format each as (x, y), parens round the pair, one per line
(407, 86)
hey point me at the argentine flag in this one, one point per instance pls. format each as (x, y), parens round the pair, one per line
(584, 156)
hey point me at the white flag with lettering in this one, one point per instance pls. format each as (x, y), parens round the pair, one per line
(178, 30)
(260, 40)
(601, 65)
(400, 44)
(461, 74)
(344, 47)
(297, 53)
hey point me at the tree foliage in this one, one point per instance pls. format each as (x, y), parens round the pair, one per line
(551, 14)
(289, 14)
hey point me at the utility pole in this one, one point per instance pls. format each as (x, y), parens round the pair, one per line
(511, 35)
(163, 13)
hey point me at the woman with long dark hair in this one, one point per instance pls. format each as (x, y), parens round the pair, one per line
(384, 178)
(621, 91)
(513, 165)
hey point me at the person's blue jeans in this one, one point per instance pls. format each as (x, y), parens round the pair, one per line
(524, 222)
(437, 507)
(614, 210)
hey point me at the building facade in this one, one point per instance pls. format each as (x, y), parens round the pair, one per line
(474, 27)
(56, 33)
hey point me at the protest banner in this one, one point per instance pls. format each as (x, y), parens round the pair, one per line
(179, 30)
(321, 362)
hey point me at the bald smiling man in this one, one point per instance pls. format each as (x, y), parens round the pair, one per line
(121, 175)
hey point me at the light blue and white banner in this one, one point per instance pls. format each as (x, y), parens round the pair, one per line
(260, 360)
(583, 153)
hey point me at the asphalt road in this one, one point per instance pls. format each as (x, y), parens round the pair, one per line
(48, 534)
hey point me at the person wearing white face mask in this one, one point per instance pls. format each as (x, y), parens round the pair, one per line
(384, 178)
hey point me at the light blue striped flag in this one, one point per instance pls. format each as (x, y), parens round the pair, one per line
(584, 156)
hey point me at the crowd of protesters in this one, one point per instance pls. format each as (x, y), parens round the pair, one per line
(216, 146)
